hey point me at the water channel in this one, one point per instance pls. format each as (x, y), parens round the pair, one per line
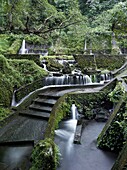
(84, 156)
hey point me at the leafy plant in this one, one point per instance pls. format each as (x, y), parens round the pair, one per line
(45, 155)
(117, 93)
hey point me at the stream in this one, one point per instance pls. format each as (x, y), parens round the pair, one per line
(85, 156)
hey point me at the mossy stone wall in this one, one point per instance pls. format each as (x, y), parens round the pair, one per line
(57, 114)
(103, 140)
(110, 62)
(34, 57)
(121, 162)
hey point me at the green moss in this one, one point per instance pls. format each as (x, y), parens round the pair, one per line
(53, 65)
(4, 43)
(101, 61)
(85, 61)
(117, 93)
(4, 112)
(66, 57)
(110, 62)
(9, 78)
(16, 73)
(110, 138)
(45, 155)
(121, 161)
(14, 48)
(28, 69)
(33, 57)
(59, 111)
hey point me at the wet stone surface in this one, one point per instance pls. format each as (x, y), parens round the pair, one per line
(23, 129)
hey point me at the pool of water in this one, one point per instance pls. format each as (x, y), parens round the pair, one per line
(85, 156)
(15, 157)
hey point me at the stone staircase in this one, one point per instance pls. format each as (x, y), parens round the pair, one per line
(41, 107)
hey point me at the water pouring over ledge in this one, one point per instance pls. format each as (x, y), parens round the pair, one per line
(65, 80)
(74, 112)
(66, 132)
(23, 49)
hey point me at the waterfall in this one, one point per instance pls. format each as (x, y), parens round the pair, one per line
(13, 103)
(85, 46)
(74, 112)
(66, 132)
(23, 50)
(68, 80)
(87, 79)
(45, 68)
(106, 77)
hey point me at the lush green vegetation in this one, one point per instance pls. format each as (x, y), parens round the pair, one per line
(90, 103)
(110, 138)
(4, 112)
(15, 73)
(65, 25)
(61, 110)
(45, 155)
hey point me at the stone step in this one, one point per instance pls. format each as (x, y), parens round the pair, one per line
(37, 107)
(49, 96)
(45, 101)
(36, 114)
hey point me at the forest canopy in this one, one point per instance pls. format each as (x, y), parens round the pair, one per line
(67, 23)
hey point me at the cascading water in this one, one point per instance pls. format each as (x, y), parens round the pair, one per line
(74, 113)
(45, 68)
(23, 50)
(68, 80)
(106, 77)
(70, 62)
(66, 132)
(13, 103)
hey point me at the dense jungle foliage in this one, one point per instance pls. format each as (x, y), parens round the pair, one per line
(66, 24)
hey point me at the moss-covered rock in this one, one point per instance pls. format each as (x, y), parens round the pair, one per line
(9, 77)
(5, 43)
(53, 65)
(45, 155)
(28, 69)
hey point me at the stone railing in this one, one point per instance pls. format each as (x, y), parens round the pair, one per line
(25, 90)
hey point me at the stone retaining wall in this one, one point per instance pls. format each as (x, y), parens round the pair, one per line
(98, 61)
(34, 57)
